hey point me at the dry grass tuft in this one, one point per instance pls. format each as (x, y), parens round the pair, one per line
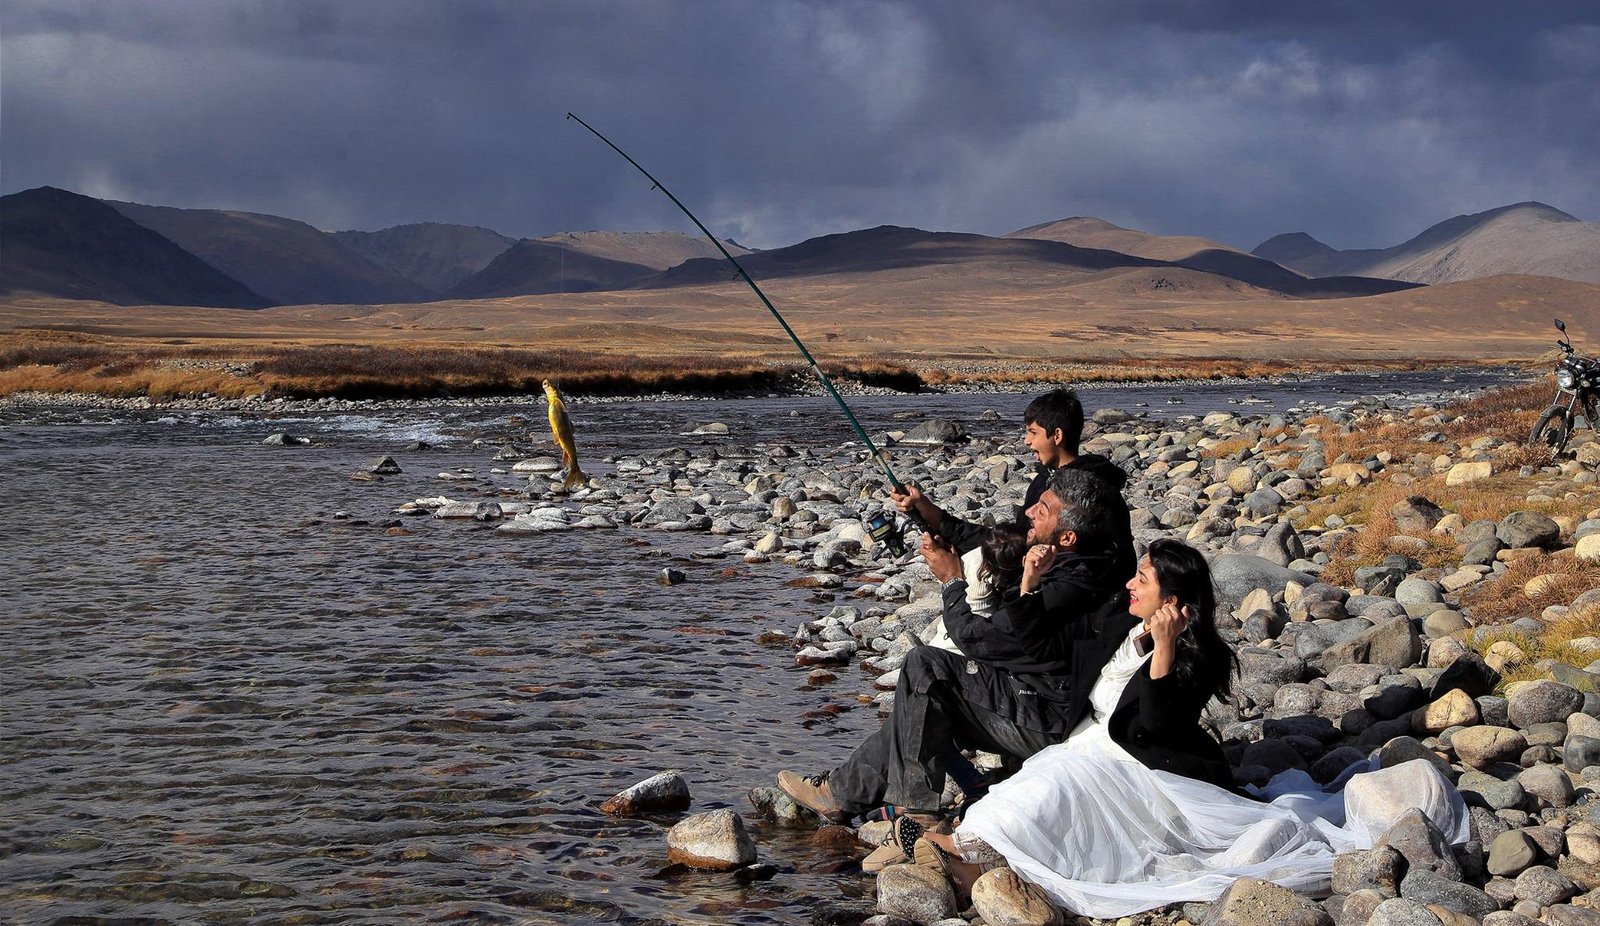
(1504, 597)
(1558, 640)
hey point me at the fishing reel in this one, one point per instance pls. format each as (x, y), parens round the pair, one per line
(886, 531)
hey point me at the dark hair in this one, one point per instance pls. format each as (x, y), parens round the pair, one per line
(1085, 505)
(1202, 655)
(1058, 408)
(1003, 549)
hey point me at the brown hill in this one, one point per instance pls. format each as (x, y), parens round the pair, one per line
(1525, 238)
(58, 243)
(286, 261)
(656, 250)
(1090, 232)
(889, 247)
(535, 267)
(433, 255)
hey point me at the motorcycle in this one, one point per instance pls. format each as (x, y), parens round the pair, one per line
(1577, 383)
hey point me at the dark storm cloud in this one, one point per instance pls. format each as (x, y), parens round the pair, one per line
(776, 121)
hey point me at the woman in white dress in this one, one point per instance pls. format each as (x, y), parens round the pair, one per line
(1137, 808)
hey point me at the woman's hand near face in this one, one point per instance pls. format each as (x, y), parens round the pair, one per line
(1035, 563)
(1165, 626)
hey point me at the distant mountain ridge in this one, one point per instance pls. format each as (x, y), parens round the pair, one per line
(289, 262)
(57, 243)
(891, 247)
(1523, 238)
(433, 255)
(249, 259)
(582, 262)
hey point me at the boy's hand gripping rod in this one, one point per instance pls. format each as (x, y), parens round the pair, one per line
(827, 384)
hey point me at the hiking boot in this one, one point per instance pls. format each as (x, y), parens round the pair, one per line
(812, 793)
(898, 844)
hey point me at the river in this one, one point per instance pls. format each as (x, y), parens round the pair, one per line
(234, 694)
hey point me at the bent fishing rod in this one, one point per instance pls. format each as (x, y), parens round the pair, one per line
(827, 384)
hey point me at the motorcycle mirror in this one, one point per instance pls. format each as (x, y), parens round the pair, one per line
(1561, 325)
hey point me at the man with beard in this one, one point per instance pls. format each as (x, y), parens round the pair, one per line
(1013, 688)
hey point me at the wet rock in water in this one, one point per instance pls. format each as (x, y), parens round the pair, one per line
(916, 894)
(664, 792)
(934, 432)
(717, 841)
(1250, 902)
(385, 466)
(281, 439)
(537, 465)
(479, 511)
(1541, 702)
(774, 804)
(671, 576)
(1001, 896)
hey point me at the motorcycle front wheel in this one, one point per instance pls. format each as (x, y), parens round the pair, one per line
(1552, 429)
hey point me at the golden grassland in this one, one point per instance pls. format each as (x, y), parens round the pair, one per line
(34, 360)
(972, 323)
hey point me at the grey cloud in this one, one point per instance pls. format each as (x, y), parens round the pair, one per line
(777, 121)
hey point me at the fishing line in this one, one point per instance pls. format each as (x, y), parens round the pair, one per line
(827, 384)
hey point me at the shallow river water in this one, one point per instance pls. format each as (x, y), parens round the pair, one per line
(229, 696)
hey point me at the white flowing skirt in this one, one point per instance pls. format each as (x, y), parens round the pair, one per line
(1105, 836)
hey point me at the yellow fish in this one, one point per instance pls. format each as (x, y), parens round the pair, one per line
(561, 430)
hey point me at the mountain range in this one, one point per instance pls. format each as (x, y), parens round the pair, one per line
(1527, 238)
(54, 243)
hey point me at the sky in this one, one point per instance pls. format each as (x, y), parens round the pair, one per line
(779, 120)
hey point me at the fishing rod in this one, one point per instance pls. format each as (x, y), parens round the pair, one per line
(879, 529)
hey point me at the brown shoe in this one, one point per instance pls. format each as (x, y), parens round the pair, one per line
(812, 793)
(896, 847)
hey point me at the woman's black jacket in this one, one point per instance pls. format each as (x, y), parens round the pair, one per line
(1157, 720)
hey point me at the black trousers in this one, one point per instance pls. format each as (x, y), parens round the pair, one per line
(944, 700)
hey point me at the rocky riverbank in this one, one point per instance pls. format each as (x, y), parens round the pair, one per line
(1402, 583)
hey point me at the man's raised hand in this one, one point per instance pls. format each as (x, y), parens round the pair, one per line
(1035, 563)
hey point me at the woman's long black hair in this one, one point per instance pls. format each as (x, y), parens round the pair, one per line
(1202, 653)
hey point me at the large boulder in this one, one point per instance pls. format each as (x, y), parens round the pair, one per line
(934, 432)
(1527, 529)
(1542, 702)
(1394, 643)
(1238, 574)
